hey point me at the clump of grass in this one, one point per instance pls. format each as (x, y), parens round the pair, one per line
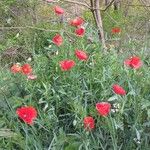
(63, 99)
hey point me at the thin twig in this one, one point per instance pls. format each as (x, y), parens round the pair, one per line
(36, 28)
(88, 6)
(108, 6)
(8, 9)
(85, 4)
(79, 3)
(143, 2)
(139, 5)
(30, 27)
(71, 38)
(111, 18)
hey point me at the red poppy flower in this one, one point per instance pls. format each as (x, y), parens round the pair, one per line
(80, 31)
(81, 55)
(15, 68)
(57, 39)
(26, 69)
(67, 64)
(27, 113)
(118, 89)
(103, 108)
(78, 21)
(58, 10)
(134, 62)
(116, 30)
(89, 123)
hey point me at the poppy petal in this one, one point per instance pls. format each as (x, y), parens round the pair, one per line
(66, 65)
(78, 21)
(57, 40)
(103, 108)
(58, 10)
(26, 69)
(118, 89)
(89, 123)
(27, 113)
(82, 55)
(80, 31)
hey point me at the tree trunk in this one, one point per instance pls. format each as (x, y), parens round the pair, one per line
(95, 5)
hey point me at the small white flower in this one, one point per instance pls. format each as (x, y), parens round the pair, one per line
(49, 46)
(17, 35)
(74, 122)
(115, 108)
(116, 105)
(29, 59)
(137, 141)
(18, 63)
(57, 53)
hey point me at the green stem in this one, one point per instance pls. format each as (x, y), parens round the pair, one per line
(112, 131)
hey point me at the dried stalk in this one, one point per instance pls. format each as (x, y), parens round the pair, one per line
(108, 6)
(88, 6)
(79, 3)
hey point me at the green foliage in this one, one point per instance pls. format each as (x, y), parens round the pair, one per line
(63, 99)
(87, 15)
(112, 19)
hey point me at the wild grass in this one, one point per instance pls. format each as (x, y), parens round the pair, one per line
(63, 99)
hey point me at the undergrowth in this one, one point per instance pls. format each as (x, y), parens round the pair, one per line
(63, 99)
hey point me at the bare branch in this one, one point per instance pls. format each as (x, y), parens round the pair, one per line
(99, 23)
(108, 6)
(79, 3)
(88, 6)
(138, 5)
(36, 28)
(30, 27)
